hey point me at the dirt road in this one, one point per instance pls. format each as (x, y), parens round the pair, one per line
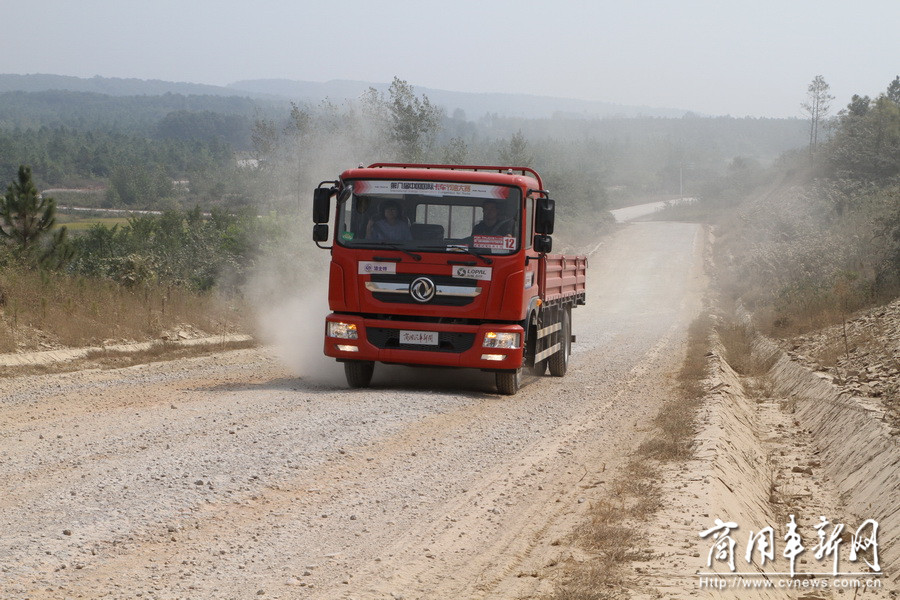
(229, 477)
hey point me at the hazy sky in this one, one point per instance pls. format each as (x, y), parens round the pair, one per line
(754, 57)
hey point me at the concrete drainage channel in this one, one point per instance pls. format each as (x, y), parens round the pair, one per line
(857, 452)
(784, 443)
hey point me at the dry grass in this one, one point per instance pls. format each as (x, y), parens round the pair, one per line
(848, 341)
(605, 532)
(613, 533)
(40, 310)
(598, 581)
(760, 388)
(612, 536)
(612, 545)
(641, 487)
(798, 262)
(695, 367)
(160, 351)
(829, 354)
(789, 405)
(739, 351)
(675, 422)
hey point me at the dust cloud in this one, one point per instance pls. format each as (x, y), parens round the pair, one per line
(288, 291)
(294, 327)
(289, 288)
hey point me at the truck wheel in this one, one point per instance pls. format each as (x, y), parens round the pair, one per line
(559, 362)
(508, 383)
(359, 372)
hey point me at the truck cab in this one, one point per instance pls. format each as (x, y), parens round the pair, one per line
(440, 265)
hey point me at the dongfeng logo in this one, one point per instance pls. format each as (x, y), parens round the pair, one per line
(422, 289)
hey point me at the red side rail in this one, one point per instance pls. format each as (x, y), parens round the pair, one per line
(490, 168)
(563, 277)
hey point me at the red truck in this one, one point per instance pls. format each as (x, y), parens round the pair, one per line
(446, 266)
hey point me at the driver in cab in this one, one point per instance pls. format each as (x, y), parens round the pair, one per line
(391, 226)
(491, 222)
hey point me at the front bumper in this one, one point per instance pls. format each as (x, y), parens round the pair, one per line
(457, 345)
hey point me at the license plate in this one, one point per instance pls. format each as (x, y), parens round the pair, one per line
(419, 338)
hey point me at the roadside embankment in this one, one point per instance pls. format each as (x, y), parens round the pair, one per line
(860, 356)
(728, 479)
(66, 358)
(856, 448)
(776, 446)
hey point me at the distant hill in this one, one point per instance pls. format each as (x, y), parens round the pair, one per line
(111, 86)
(140, 114)
(474, 105)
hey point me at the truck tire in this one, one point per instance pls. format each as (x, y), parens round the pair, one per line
(359, 372)
(559, 362)
(508, 383)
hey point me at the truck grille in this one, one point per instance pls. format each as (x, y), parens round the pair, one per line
(389, 339)
(451, 291)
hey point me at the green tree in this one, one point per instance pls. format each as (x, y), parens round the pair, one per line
(135, 185)
(414, 121)
(264, 137)
(26, 218)
(866, 141)
(515, 153)
(455, 152)
(893, 91)
(298, 131)
(859, 105)
(59, 252)
(26, 214)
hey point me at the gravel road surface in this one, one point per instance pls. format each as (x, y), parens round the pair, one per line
(228, 476)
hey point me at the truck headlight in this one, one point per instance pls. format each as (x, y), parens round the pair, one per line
(346, 331)
(501, 339)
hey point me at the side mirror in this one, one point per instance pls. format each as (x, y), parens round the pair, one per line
(544, 215)
(322, 205)
(320, 233)
(543, 244)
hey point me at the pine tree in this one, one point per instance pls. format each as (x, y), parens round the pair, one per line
(26, 217)
(893, 91)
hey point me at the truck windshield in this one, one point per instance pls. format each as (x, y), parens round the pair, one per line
(431, 216)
